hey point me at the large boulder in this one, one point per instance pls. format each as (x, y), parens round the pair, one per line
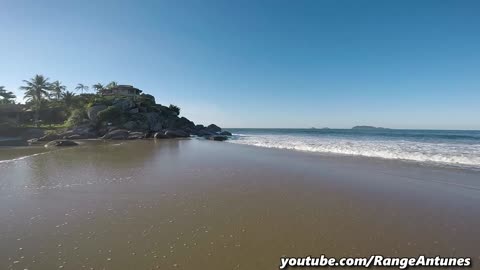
(214, 128)
(183, 124)
(176, 133)
(61, 143)
(199, 127)
(136, 135)
(117, 134)
(219, 138)
(203, 133)
(93, 111)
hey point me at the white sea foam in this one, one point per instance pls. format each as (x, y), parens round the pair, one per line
(22, 157)
(465, 155)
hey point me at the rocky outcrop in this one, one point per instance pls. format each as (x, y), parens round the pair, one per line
(117, 134)
(171, 133)
(160, 135)
(123, 134)
(61, 143)
(128, 119)
(136, 135)
(81, 132)
(154, 121)
(225, 133)
(176, 133)
(124, 104)
(214, 128)
(130, 125)
(219, 138)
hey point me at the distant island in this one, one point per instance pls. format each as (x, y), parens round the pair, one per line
(368, 127)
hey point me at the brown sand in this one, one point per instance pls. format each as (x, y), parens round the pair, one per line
(190, 204)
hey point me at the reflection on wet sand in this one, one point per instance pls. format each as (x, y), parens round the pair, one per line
(184, 204)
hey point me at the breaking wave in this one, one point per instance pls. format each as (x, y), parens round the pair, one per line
(455, 154)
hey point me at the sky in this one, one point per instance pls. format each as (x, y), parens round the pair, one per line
(256, 63)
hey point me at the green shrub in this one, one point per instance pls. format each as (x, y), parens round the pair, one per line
(110, 114)
(99, 100)
(76, 118)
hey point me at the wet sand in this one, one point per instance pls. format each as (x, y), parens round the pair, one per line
(191, 204)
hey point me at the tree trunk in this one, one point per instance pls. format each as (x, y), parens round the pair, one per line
(36, 116)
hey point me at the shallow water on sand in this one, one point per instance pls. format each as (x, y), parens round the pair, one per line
(185, 204)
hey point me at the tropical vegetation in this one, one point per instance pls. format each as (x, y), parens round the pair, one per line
(51, 103)
(7, 97)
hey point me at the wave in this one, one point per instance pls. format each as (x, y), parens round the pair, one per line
(22, 157)
(464, 155)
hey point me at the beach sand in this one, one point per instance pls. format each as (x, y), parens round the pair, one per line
(192, 204)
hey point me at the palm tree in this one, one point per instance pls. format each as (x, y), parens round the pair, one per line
(81, 87)
(111, 85)
(68, 98)
(36, 90)
(57, 89)
(7, 96)
(98, 87)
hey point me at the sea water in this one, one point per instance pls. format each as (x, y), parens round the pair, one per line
(457, 148)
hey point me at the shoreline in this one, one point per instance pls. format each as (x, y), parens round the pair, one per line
(215, 205)
(353, 157)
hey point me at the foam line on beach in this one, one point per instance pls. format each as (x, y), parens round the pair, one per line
(459, 155)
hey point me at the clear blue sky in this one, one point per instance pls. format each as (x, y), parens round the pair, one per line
(246, 63)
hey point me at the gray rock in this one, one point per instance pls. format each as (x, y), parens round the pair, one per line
(117, 134)
(160, 135)
(182, 123)
(124, 104)
(130, 125)
(93, 111)
(80, 132)
(199, 127)
(226, 133)
(134, 110)
(214, 128)
(76, 137)
(136, 135)
(154, 121)
(84, 130)
(218, 138)
(61, 143)
(176, 133)
(203, 133)
(156, 127)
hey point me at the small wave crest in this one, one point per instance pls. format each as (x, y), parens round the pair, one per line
(464, 155)
(22, 157)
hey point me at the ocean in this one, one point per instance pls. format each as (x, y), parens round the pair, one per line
(456, 148)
